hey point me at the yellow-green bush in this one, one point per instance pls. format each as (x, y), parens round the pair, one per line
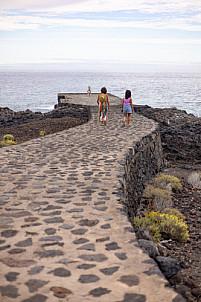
(164, 226)
(174, 212)
(8, 140)
(160, 198)
(164, 179)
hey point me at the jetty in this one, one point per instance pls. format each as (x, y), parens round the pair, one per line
(66, 202)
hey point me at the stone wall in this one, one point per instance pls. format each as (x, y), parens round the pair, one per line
(143, 161)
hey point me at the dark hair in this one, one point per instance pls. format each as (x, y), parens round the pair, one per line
(104, 90)
(127, 94)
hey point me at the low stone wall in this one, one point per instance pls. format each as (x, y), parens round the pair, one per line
(143, 161)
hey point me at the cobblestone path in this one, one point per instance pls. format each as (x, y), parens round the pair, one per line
(63, 234)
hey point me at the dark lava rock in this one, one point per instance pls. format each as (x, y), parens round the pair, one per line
(34, 284)
(143, 233)
(110, 270)
(168, 266)
(97, 292)
(11, 276)
(131, 280)
(88, 278)
(133, 298)
(149, 247)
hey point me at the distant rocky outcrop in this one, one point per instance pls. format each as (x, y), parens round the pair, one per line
(9, 117)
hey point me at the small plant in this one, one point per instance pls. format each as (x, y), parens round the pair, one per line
(164, 226)
(42, 133)
(195, 179)
(165, 180)
(160, 198)
(8, 140)
(174, 212)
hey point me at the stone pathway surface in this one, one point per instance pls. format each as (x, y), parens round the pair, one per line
(64, 236)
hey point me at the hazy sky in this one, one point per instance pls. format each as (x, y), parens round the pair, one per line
(100, 34)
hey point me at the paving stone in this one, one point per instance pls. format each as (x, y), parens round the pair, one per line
(17, 262)
(50, 231)
(52, 244)
(96, 258)
(17, 214)
(121, 256)
(5, 247)
(4, 221)
(110, 270)
(31, 219)
(61, 272)
(62, 201)
(49, 253)
(133, 298)
(79, 231)
(11, 276)
(105, 226)
(51, 238)
(97, 292)
(88, 278)
(16, 251)
(36, 298)
(9, 291)
(80, 241)
(102, 209)
(89, 247)
(51, 207)
(34, 284)
(35, 270)
(66, 261)
(60, 292)
(130, 280)
(24, 243)
(67, 226)
(76, 210)
(30, 225)
(112, 246)
(9, 233)
(85, 266)
(103, 239)
(88, 222)
(54, 213)
(54, 220)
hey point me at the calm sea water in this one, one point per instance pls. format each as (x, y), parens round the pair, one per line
(38, 91)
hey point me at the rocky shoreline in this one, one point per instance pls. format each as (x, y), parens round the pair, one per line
(181, 140)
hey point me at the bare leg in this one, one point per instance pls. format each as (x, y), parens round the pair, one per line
(124, 121)
(129, 118)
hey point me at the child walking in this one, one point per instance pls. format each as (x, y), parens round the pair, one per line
(104, 105)
(127, 107)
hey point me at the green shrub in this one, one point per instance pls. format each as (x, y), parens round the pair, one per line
(160, 198)
(164, 180)
(164, 226)
(174, 212)
(8, 140)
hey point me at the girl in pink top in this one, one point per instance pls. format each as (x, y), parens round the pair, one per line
(127, 107)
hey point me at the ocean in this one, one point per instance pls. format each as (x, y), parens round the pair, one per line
(38, 91)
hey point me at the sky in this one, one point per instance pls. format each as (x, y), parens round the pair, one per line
(106, 35)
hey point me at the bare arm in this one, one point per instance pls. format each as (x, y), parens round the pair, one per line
(122, 104)
(108, 103)
(131, 104)
(98, 101)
